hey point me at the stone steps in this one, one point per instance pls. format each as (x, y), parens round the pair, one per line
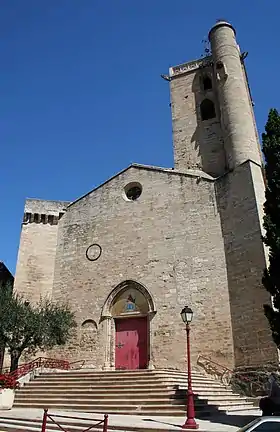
(129, 391)
(116, 373)
(86, 400)
(169, 394)
(130, 380)
(53, 400)
(95, 394)
(121, 392)
(100, 384)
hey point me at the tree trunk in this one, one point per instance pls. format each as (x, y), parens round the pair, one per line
(14, 361)
(2, 353)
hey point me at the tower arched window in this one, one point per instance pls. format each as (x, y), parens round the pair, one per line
(207, 83)
(207, 109)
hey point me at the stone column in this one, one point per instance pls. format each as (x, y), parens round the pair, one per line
(112, 346)
(107, 339)
(151, 360)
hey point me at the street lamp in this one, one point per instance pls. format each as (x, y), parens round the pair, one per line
(190, 423)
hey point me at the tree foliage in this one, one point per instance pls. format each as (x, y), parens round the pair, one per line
(28, 328)
(271, 276)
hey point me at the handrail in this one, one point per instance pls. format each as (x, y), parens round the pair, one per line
(47, 416)
(81, 362)
(26, 368)
(226, 374)
(40, 362)
(71, 365)
(213, 362)
(45, 362)
(253, 384)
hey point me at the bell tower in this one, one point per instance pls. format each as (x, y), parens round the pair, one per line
(214, 131)
(197, 134)
(212, 116)
(236, 113)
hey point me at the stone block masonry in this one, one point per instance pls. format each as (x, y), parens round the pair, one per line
(238, 195)
(170, 241)
(36, 257)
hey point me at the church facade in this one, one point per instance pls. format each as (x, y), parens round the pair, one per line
(130, 254)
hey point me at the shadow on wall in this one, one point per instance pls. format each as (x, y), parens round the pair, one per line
(89, 338)
(208, 134)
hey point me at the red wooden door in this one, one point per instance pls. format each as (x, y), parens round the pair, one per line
(131, 343)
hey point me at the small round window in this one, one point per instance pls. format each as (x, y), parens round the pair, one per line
(132, 191)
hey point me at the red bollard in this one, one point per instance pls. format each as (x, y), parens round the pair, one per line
(44, 422)
(105, 425)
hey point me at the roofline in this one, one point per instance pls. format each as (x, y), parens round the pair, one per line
(46, 200)
(190, 173)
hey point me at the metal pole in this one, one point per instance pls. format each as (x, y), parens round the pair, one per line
(105, 425)
(44, 422)
(190, 422)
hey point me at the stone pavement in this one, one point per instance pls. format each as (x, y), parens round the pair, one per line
(220, 423)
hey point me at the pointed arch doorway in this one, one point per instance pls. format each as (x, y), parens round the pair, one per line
(128, 311)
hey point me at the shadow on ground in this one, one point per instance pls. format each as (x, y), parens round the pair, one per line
(239, 420)
(210, 413)
(222, 418)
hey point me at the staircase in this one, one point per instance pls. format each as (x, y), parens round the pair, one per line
(158, 392)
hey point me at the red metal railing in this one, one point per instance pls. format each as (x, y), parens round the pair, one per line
(77, 364)
(47, 416)
(35, 364)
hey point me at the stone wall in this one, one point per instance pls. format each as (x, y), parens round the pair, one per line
(197, 143)
(240, 196)
(170, 241)
(36, 256)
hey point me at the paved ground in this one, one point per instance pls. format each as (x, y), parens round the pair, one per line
(219, 423)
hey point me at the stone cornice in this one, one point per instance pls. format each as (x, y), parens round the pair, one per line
(190, 66)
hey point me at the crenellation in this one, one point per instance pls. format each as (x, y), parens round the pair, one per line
(51, 219)
(190, 66)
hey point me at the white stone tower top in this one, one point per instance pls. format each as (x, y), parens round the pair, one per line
(237, 117)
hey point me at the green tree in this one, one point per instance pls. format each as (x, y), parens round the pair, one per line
(271, 276)
(6, 287)
(28, 328)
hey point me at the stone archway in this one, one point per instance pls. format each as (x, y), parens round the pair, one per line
(128, 306)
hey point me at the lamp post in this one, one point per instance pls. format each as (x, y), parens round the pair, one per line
(190, 423)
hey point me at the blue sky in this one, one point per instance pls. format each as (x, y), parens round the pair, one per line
(81, 93)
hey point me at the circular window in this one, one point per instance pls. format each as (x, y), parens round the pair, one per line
(132, 191)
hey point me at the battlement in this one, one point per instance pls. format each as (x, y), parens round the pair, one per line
(42, 211)
(190, 66)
